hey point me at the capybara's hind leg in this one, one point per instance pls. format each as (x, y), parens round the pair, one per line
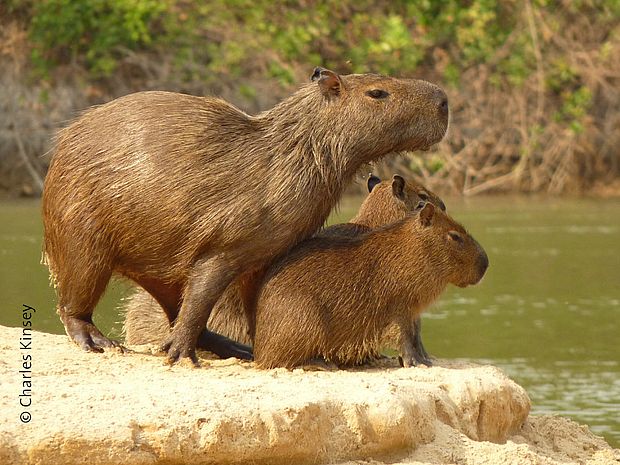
(225, 347)
(222, 346)
(85, 334)
(77, 299)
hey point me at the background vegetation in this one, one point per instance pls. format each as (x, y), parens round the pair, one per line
(534, 85)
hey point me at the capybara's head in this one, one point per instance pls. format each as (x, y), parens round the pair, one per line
(381, 114)
(450, 247)
(393, 200)
(409, 193)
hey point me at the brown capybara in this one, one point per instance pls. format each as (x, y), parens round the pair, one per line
(346, 292)
(185, 194)
(387, 201)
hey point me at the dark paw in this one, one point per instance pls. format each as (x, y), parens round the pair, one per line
(86, 335)
(224, 347)
(422, 358)
(179, 350)
(413, 361)
(424, 361)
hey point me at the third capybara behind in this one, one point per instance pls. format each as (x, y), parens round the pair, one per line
(353, 289)
(184, 194)
(387, 202)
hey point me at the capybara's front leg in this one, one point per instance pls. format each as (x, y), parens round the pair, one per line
(407, 351)
(420, 354)
(222, 346)
(207, 281)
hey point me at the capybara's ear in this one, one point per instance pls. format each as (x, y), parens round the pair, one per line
(398, 186)
(426, 214)
(372, 182)
(329, 82)
(316, 73)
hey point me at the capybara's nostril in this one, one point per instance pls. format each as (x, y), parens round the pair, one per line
(443, 105)
(441, 99)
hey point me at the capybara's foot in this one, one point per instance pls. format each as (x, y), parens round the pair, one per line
(423, 360)
(319, 364)
(178, 349)
(223, 347)
(86, 335)
(413, 361)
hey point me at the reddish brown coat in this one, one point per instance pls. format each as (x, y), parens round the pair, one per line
(346, 292)
(183, 194)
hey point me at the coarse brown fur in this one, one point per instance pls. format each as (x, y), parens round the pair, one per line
(349, 290)
(183, 194)
(387, 202)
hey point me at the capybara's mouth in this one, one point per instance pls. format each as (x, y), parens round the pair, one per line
(472, 282)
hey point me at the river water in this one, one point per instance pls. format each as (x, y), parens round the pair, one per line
(547, 312)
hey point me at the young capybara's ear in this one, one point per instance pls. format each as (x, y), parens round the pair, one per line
(426, 214)
(372, 182)
(398, 186)
(316, 73)
(329, 82)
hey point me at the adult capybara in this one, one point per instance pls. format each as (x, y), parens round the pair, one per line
(184, 194)
(387, 201)
(355, 288)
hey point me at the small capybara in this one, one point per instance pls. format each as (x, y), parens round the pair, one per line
(184, 194)
(345, 292)
(387, 202)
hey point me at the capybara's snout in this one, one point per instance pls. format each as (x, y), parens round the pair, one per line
(438, 110)
(482, 263)
(441, 101)
(476, 268)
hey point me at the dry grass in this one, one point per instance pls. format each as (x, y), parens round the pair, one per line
(503, 136)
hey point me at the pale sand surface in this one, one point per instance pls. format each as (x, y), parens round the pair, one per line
(133, 408)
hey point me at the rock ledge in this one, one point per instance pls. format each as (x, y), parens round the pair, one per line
(133, 409)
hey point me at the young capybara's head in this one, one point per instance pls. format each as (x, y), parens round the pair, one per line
(410, 193)
(450, 248)
(380, 114)
(391, 201)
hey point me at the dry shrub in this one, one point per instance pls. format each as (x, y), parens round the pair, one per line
(547, 134)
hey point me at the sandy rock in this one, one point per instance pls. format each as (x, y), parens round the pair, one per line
(132, 408)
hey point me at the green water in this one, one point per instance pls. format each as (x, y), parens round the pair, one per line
(547, 312)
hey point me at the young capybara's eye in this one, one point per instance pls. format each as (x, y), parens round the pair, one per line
(423, 195)
(377, 93)
(456, 237)
(420, 205)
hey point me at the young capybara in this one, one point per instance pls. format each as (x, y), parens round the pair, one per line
(185, 194)
(387, 201)
(345, 292)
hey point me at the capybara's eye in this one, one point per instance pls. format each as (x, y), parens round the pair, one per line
(456, 237)
(423, 195)
(377, 93)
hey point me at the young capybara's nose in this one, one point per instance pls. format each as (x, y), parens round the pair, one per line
(483, 262)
